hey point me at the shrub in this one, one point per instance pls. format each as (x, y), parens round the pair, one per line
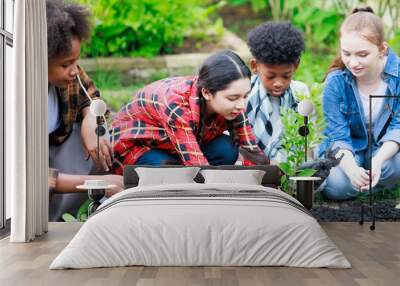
(293, 143)
(146, 27)
(394, 43)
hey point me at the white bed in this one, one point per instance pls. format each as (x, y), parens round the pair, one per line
(201, 224)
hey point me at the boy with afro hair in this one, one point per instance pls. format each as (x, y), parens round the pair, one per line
(276, 48)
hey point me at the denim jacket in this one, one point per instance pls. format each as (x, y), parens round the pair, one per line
(344, 115)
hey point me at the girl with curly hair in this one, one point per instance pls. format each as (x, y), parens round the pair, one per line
(71, 126)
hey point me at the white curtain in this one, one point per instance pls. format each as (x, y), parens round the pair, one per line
(26, 124)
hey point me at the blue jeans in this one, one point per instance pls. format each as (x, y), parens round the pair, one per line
(220, 151)
(339, 187)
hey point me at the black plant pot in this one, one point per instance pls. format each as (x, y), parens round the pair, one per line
(305, 193)
(305, 190)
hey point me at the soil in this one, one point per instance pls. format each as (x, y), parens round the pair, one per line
(349, 211)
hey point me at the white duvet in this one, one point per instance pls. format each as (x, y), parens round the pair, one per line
(201, 224)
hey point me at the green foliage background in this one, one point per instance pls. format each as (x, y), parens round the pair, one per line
(147, 27)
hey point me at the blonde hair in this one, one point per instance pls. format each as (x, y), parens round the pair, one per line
(367, 24)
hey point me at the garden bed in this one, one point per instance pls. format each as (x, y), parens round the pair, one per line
(349, 211)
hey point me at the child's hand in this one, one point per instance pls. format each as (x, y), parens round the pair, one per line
(376, 173)
(273, 162)
(359, 177)
(114, 180)
(89, 141)
(257, 158)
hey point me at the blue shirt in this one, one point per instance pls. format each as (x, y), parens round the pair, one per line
(344, 115)
(53, 110)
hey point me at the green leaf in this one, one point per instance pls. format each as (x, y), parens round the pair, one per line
(83, 217)
(258, 5)
(305, 15)
(83, 210)
(67, 217)
(309, 172)
(238, 2)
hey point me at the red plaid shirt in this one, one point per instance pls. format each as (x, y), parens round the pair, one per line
(165, 115)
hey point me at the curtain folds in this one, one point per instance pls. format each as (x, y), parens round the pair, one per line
(26, 121)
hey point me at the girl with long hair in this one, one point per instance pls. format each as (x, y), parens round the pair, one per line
(366, 66)
(183, 119)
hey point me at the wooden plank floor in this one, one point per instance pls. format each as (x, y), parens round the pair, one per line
(374, 255)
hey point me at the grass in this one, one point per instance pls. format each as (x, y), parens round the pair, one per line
(118, 89)
(107, 79)
(112, 89)
(382, 195)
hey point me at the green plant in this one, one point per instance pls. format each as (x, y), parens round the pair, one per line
(146, 27)
(207, 30)
(313, 66)
(319, 21)
(293, 143)
(81, 215)
(394, 43)
(256, 5)
(319, 24)
(317, 121)
(237, 2)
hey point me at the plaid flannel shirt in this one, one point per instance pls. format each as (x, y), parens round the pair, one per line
(72, 100)
(166, 115)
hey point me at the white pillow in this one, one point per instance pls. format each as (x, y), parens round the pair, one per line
(248, 177)
(166, 176)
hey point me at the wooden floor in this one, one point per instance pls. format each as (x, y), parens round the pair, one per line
(374, 255)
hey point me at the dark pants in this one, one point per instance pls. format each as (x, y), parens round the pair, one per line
(219, 151)
(68, 158)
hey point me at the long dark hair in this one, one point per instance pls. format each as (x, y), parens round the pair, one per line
(216, 73)
(362, 20)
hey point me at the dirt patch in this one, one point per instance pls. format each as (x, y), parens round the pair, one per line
(350, 211)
